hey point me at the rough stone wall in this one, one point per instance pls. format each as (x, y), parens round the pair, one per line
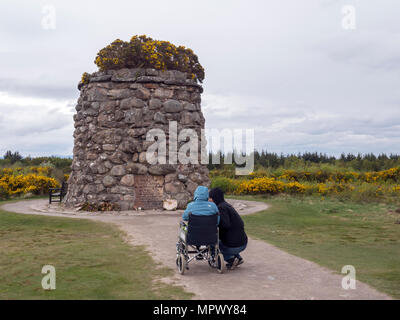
(115, 111)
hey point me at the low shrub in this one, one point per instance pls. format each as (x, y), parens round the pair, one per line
(359, 191)
(295, 188)
(260, 186)
(144, 52)
(23, 184)
(225, 184)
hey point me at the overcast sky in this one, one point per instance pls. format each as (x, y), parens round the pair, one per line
(287, 68)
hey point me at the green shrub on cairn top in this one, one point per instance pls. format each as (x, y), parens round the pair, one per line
(144, 52)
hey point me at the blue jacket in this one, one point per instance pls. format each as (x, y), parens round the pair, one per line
(200, 206)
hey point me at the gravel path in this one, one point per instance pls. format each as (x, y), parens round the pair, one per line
(268, 272)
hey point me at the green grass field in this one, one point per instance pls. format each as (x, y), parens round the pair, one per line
(92, 261)
(333, 234)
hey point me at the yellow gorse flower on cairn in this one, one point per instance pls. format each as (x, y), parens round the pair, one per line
(144, 52)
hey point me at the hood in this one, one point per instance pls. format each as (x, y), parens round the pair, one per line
(201, 193)
(217, 195)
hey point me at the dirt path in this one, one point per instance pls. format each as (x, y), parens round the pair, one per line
(268, 272)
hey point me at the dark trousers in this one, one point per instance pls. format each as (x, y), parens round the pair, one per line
(229, 252)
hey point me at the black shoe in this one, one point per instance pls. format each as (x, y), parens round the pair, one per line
(240, 261)
(232, 263)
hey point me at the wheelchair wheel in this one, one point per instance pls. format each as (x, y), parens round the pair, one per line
(181, 263)
(220, 263)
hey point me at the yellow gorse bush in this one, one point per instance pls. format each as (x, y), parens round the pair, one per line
(269, 186)
(396, 189)
(144, 52)
(370, 186)
(260, 186)
(334, 188)
(35, 180)
(6, 171)
(44, 171)
(295, 187)
(322, 176)
(392, 174)
(22, 184)
(85, 78)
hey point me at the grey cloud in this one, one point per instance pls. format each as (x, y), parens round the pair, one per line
(368, 49)
(286, 68)
(26, 125)
(34, 89)
(35, 131)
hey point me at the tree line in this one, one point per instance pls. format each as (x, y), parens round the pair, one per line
(262, 159)
(358, 162)
(16, 159)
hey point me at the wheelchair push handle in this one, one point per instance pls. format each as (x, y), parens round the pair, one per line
(183, 224)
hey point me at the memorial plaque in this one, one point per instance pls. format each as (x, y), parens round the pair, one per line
(149, 191)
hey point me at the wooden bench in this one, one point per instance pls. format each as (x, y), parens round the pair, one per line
(58, 193)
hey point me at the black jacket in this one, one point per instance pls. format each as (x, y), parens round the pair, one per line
(231, 226)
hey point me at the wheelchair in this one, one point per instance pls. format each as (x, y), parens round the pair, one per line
(198, 239)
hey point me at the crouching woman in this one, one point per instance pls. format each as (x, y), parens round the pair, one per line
(233, 238)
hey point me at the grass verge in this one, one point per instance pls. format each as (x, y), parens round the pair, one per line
(92, 261)
(333, 234)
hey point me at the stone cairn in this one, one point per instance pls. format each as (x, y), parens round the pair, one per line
(115, 110)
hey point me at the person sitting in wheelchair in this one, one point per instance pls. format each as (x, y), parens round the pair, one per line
(198, 239)
(200, 206)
